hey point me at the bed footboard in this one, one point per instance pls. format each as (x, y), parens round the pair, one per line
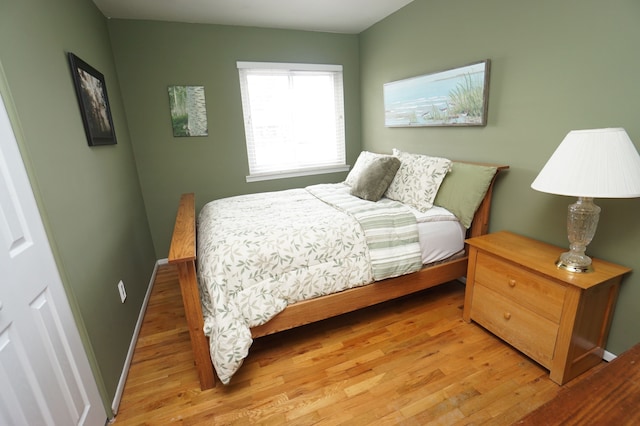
(182, 253)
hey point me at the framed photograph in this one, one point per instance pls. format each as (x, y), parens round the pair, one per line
(188, 111)
(91, 91)
(455, 97)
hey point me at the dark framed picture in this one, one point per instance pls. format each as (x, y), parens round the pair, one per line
(455, 97)
(91, 91)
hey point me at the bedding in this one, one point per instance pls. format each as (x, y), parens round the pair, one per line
(374, 179)
(184, 254)
(464, 188)
(362, 162)
(418, 179)
(301, 244)
(440, 240)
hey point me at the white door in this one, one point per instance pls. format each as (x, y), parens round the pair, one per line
(45, 377)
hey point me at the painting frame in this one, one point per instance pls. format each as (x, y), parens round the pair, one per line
(450, 98)
(188, 109)
(91, 92)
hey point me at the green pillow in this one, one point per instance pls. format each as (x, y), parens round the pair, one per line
(463, 189)
(375, 177)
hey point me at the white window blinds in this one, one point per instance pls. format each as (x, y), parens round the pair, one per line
(293, 117)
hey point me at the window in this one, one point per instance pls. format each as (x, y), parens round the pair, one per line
(293, 119)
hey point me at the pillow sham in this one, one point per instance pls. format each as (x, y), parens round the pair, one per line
(463, 189)
(364, 159)
(375, 177)
(417, 181)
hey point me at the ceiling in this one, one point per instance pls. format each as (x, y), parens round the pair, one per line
(337, 16)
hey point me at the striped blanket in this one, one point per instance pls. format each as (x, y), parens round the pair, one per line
(390, 229)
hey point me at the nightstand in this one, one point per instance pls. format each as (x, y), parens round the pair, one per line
(558, 318)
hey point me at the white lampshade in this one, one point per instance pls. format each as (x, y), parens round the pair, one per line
(597, 163)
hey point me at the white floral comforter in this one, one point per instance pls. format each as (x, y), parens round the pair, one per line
(259, 253)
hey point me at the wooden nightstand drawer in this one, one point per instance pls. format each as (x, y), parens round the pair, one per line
(529, 332)
(532, 291)
(558, 318)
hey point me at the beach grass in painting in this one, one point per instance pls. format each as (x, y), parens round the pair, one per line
(188, 111)
(456, 97)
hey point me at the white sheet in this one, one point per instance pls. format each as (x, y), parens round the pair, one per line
(441, 234)
(440, 240)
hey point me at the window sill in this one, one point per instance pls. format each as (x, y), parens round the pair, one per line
(297, 173)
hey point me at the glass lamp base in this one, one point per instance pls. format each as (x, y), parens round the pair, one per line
(582, 220)
(567, 262)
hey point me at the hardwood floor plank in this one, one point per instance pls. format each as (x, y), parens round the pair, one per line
(412, 361)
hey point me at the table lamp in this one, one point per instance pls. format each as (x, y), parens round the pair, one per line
(588, 164)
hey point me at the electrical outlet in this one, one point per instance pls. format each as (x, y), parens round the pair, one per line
(123, 292)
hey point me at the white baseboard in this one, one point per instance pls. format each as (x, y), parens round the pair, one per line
(132, 346)
(608, 356)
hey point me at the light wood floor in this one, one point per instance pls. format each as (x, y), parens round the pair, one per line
(412, 361)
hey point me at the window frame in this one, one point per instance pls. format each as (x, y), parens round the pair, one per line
(290, 69)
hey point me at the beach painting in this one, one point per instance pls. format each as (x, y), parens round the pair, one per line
(456, 97)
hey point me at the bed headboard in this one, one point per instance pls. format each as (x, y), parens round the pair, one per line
(480, 224)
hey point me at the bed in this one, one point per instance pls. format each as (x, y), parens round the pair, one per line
(368, 248)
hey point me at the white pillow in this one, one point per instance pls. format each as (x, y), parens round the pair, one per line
(417, 181)
(364, 160)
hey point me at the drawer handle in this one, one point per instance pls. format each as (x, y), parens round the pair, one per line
(512, 283)
(507, 316)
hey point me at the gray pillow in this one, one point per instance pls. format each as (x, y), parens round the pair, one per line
(375, 177)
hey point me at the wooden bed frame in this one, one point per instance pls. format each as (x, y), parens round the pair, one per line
(182, 253)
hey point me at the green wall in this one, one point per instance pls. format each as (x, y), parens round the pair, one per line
(90, 198)
(150, 56)
(556, 66)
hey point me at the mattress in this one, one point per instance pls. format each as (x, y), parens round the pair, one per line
(441, 235)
